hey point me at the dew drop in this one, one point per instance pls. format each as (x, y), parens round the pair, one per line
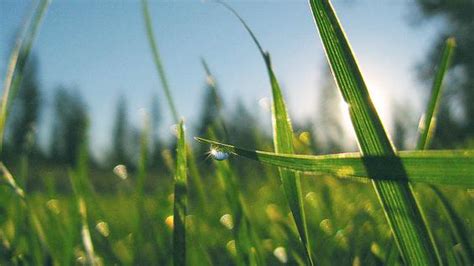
(218, 154)
(175, 129)
(121, 171)
(280, 254)
(103, 228)
(169, 221)
(226, 221)
(53, 206)
(231, 247)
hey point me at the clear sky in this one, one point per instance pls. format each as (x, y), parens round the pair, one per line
(100, 48)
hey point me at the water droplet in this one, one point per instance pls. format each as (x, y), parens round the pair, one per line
(169, 221)
(175, 129)
(305, 137)
(273, 212)
(231, 247)
(226, 220)
(312, 199)
(103, 228)
(280, 254)
(326, 226)
(121, 171)
(53, 206)
(218, 154)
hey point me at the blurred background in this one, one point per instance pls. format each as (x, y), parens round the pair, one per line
(91, 76)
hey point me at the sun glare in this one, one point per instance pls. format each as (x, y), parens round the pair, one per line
(380, 100)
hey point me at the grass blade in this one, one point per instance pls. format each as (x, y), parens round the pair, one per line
(283, 143)
(78, 178)
(450, 167)
(157, 60)
(180, 201)
(428, 122)
(396, 197)
(426, 129)
(17, 62)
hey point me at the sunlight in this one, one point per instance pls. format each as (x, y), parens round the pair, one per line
(382, 105)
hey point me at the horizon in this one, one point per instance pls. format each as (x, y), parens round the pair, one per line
(103, 67)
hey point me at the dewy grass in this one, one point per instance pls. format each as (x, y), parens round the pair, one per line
(17, 62)
(448, 167)
(396, 197)
(283, 143)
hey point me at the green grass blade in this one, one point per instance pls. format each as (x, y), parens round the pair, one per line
(426, 129)
(157, 60)
(180, 201)
(78, 178)
(428, 121)
(17, 62)
(460, 234)
(249, 251)
(450, 167)
(36, 240)
(396, 197)
(283, 143)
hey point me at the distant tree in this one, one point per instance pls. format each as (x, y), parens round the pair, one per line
(120, 134)
(459, 22)
(156, 142)
(244, 130)
(210, 115)
(70, 126)
(26, 110)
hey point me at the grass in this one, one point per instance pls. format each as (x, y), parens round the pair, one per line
(396, 197)
(18, 58)
(289, 211)
(283, 143)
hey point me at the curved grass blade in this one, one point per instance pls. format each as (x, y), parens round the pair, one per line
(157, 60)
(426, 129)
(396, 197)
(450, 167)
(180, 201)
(17, 62)
(283, 143)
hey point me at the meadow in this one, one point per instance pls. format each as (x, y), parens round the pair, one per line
(273, 200)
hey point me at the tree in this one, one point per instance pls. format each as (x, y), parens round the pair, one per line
(120, 134)
(26, 110)
(210, 116)
(70, 126)
(459, 22)
(156, 142)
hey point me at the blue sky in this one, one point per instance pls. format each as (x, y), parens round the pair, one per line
(100, 48)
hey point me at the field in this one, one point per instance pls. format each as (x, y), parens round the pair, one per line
(269, 200)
